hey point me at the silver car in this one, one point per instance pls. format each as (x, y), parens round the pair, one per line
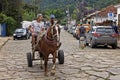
(101, 35)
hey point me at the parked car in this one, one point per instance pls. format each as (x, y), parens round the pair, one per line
(69, 28)
(72, 29)
(76, 34)
(101, 35)
(21, 33)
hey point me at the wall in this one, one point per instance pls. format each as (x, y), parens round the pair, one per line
(99, 19)
(118, 16)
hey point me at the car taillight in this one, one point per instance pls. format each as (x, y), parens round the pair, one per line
(114, 35)
(96, 34)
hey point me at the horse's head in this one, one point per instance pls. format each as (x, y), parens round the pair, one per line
(54, 32)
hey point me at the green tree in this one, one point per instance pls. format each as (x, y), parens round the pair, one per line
(10, 22)
(11, 25)
(2, 18)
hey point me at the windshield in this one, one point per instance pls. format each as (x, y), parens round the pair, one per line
(20, 30)
(106, 30)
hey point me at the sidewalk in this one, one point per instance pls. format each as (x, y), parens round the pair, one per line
(3, 40)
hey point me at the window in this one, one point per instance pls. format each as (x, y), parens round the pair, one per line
(105, 30)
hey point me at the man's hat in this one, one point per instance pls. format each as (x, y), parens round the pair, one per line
(52, 16)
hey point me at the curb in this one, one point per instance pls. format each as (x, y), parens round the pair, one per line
(4, 44)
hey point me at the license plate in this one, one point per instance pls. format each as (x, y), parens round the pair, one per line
(18, 36)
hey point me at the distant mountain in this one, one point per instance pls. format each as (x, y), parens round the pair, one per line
(71, 4)
(47, 4)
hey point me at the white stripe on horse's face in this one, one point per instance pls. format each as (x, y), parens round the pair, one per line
(58, 36)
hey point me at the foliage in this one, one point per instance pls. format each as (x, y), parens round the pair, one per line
(29, 16)
(10, 22)
(12, 8)
(59, 13)
(76, 8)
(2, 18)
(11, 25)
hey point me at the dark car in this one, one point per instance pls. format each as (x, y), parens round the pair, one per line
(21, 33)
(101, 35)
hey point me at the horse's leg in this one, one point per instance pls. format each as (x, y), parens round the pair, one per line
(33, 48)
(41, 58)
(54, 60)
(45, 63)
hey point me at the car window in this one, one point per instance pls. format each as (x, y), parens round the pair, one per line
(105, 30)
(100, 30)
(109, 30)
(20, 30)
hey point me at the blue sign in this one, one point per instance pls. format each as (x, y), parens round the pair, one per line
(110, 16)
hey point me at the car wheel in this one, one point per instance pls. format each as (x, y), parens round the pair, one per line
(29, 37)
(26, 37)
(91, 44)
(114, 46)
(13, 38)
(86, 43)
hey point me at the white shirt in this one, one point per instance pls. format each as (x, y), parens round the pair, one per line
(37, 26)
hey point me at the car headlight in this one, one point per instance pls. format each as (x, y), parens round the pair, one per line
(14, 34)
(24, 33)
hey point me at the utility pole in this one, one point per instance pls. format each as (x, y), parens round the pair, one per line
(82, 12)
(0, 7)
(92, 22)
(34, 7)
(68, 15)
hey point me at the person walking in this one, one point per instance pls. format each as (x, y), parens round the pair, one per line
(115, 28)
(82, 32)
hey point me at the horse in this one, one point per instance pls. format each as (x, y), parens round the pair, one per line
(49, 45)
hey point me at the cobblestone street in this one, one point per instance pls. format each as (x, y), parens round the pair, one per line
(88, 64)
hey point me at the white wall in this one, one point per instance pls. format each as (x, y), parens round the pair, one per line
(26, 24)
(118, 12)
(99, 19)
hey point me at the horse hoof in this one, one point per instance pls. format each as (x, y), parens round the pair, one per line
(46, 74)
(52, 72)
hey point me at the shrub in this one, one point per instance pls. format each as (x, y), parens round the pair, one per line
(2, 17)
(11, 25)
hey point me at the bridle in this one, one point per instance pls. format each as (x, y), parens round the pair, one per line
(55, 36)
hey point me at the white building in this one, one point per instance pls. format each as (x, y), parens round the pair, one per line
(118, 13)
(102, 15)
(26, 24)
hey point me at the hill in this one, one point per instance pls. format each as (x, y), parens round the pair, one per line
(48, 4)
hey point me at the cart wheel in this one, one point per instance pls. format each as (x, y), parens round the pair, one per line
(61, 56)
(29, 59)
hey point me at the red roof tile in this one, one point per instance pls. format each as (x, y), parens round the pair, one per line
(106, 10)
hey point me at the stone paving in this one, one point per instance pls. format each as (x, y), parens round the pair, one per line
(100, 63)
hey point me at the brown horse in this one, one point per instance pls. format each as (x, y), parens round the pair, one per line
(49, 45)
